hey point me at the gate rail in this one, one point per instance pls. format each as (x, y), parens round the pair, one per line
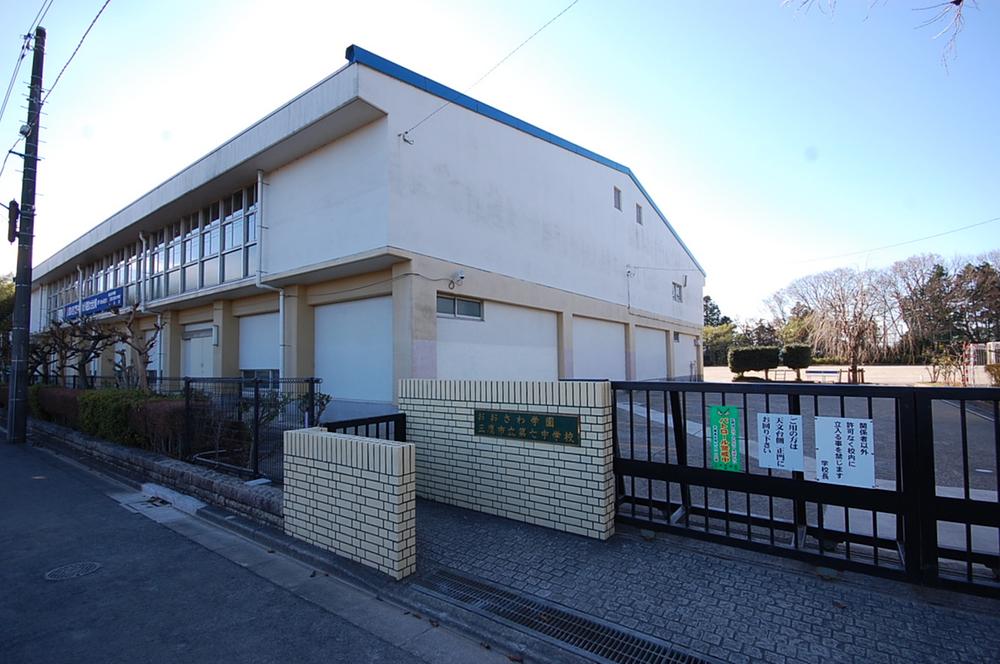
(933, 516)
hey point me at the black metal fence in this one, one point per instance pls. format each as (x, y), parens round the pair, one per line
(237, 425)
(932, 517)
(386, 427)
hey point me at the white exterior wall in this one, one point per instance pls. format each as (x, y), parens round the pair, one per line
(476, 192)
(329, 204)
(259, 342)
(509, 343)
(354, 349)
(685, 353)
(598, 349)
(650, 354)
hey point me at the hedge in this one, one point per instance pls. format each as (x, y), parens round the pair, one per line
(796, 356)
(130, 417)
(753, 358)
(57, 404)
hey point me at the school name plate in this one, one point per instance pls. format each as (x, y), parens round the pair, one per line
(540, 427)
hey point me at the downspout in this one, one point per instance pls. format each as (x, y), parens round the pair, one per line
(260, 272)
(142, 271)
(79, 292)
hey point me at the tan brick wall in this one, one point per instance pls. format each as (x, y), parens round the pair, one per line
(353, 496)
(564, 487)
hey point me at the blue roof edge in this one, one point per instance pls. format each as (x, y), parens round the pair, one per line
(356, 54)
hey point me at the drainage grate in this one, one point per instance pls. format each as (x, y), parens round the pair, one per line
(582, 633)
(72, 571)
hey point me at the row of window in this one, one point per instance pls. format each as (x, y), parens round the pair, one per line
(618, 205)
(214, 245)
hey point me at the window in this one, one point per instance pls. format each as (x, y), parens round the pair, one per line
(457, 307)
(678, 292)
(268, 378)
(677, 337)
(638, 214)
(618, 198)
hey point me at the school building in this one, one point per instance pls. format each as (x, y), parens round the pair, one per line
(326, 241)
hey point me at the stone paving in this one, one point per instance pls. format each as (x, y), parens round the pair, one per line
(714, 600)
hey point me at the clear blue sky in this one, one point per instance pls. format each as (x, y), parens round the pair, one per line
(768, 137)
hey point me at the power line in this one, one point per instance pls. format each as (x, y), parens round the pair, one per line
(493, 68)
(59, 75)
(39, 16)
(901, 244)
(73, 54)
(13, 76)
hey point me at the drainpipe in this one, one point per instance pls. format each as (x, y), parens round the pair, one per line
(142, 271)
(79, 292)
(260, 273)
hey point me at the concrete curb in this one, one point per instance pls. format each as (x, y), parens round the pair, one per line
(261, 503)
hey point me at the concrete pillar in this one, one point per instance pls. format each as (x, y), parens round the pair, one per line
(106, 367)
(168, 345)
(671, 369)
(414, 325)
(564, 329)
(299, 335)
(226, 355)
(630, 371)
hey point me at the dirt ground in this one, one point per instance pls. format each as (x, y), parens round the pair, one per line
(875, 375)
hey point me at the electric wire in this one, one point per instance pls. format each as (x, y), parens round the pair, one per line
(26, 41)
(899, 244)
(73, 54)
(493, 68)
(58, 76)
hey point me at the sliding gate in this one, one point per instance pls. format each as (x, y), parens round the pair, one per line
(692, 458)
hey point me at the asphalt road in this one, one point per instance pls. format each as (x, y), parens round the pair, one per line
(157, 597)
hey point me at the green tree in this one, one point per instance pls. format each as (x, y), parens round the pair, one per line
(6, 318)
(975, 299)
(713, 315)
(716, 340)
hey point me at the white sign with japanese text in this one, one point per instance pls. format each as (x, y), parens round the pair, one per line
(845, 451)
(779, 441)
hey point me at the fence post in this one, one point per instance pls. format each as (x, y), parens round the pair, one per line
(255, 445)
(916, 466)
(680, 442)
(311, 410)
(799, 505)
(182, 444)
(400, 428)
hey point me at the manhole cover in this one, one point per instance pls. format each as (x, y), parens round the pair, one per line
(72, 571)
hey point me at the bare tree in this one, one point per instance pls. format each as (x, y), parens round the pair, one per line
(948, 15)
(90, 340)
(64, 348)
(139, 345)
(845, 313)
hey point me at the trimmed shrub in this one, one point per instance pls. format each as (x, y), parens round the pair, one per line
(753, 358)
(159, 424)
(34, 403)
(796, 356)
(60, 405)
(105, 414)
(993, 370)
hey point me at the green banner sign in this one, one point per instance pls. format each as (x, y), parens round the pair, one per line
(541, 427)
(724, 427)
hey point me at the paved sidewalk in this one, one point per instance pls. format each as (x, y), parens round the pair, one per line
(714, 600)
(172, 588)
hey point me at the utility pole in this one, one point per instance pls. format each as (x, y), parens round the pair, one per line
(17, 411)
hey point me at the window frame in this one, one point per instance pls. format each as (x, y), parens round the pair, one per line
(454, 307)
(617, 198)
